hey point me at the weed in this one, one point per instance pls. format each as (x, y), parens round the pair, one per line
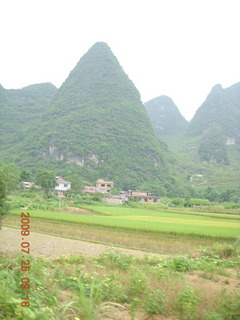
(90, 305)
(187, 303)
(112, 289)
(212, 316)
(137, 286)
(223, 250)
(156, 302)
(230, 305)
(115, 260)
(133, 307)
(181, 264)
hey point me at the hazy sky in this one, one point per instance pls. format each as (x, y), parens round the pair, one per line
(179, 48)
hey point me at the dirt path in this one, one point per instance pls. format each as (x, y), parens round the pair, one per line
(43, 245)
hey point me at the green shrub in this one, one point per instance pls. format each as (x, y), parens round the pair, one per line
(230, 305)
(112, 289)
(181, 264)
(223, 250)
(115, 259)
(187, 304)
(156, 302)
(137, 286)
(212, 316)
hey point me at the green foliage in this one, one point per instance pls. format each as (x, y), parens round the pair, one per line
(112, 289)
(137, 286)
(212, 316)
(3, 195)
(77, 287)
(224, 251)
(165, 117)
(25, 175)
(115, 259)
(20, 111)
(219, 108)
(230, 306)
(46, 179)
(9, 177)
(181, 264)
(212, 148)
(187, 303)
(96, 126)
(156, 302)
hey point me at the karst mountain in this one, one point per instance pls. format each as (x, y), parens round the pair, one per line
(97, 122)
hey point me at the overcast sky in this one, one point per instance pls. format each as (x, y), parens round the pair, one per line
(179, 48)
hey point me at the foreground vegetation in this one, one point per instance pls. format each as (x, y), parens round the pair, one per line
(117, 286)
(196, 279)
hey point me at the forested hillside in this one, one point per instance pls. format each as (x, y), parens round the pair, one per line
(97, 126)
(207, 149)
(221, 107)
(19, 110)
(165, 117)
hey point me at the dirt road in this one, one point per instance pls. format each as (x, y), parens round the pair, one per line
(43, 245)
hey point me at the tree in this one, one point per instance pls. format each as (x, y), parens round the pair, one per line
(3, 195)
(46, 179)
(25, 175)
(9, 177)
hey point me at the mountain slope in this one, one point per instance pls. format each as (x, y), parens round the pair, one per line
(221, 107)
(20, 108)
(208, 151)
(98, 122)
(165, 117)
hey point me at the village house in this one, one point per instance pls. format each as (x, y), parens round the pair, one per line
(124, 197)
(27, 185)
(101, 186)
(142, 196)
(89, 189)
(115, 199)
(62, 186)
(104, 186)
(137, 193)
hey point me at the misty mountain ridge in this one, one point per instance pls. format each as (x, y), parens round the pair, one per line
(97, 122)
(165, 117)
(221, 107)
(19, 109)
(95, 125)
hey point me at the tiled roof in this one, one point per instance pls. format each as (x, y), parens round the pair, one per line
(61, 180)
(103, 181)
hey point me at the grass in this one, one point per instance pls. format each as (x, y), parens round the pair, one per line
(149, 221)
(114, 285)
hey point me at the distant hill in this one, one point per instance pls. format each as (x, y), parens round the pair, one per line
(20, 108)
(221, 107)
(95, 126)
(212, 148)
(165, 117)
(97, 123)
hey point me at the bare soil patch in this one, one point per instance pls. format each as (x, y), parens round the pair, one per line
(43, 245)
(81, 211)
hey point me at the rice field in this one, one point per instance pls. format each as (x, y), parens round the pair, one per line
(149, 221)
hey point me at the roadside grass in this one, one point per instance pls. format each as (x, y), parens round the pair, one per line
(112, 284)
(149, 221)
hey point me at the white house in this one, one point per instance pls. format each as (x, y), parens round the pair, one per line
(62, 186)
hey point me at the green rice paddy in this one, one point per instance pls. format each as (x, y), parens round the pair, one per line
(145, 220)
